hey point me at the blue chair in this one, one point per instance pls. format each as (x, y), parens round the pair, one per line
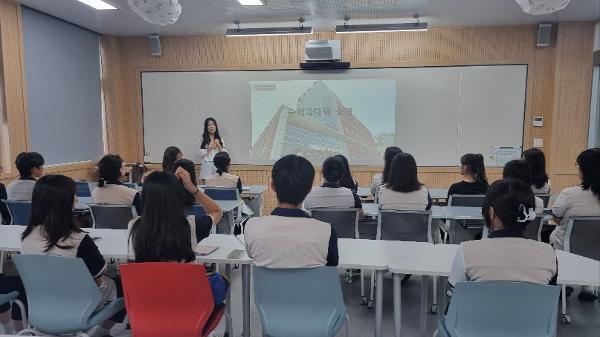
(131, 185)
(500, 309)
(12, 297)
(19, 211)
(65, 299)
(83, 189)
(196, 210)
(222, 193)
(299, 302)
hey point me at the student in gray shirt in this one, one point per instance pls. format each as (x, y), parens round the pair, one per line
(31, 168)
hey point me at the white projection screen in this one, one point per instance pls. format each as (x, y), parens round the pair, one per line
(435, 113)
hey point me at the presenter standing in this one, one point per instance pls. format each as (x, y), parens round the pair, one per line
(210, 144)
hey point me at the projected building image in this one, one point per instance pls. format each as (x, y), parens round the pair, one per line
(319, 126)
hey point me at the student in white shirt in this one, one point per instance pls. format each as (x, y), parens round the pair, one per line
(211, 144)
(518, 169)
(582, 200)
(403, 191)
(31, 168)
(330, 193)
(381, 179)
(222, 177)
(289, 237)
(506, 255)
(110, 189)
(535, 159)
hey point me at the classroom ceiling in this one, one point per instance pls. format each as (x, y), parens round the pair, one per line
(215, 16)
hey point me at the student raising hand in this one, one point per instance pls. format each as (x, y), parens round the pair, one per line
(186, 180)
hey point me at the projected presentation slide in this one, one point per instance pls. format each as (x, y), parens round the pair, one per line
(321, 118)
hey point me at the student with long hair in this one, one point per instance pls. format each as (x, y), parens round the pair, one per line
(347, 180)
(381, 179)
(222, 177)
(472, 168)
(171, 155)
(164, 233)
(52, 231)
(110, 189)
(188, 165)
(535, 159)
(581, 200)
(31, 167)
(506, 255)
(403, 191)
(518, 169)
(210, 144)
(331, 193)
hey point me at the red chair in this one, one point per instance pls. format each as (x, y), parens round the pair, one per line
(169, 299)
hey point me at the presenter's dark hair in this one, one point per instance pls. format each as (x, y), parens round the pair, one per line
(505, 197)
(333, 169)
(292, 178)
(109, 169)
(190, 167)
(589, 165)
(388, 156)
(52, 208)
(163, 233)
(517, 169)
(169, 157)
(27, 161)
(206, 134)
(347, 180)
(475, 165)
(403, 174)
(222, 161)
(536, 161)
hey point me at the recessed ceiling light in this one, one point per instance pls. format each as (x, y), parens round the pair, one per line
(98, 4)
(251, 2)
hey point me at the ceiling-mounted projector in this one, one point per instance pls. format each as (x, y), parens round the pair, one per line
(542, 7)
(323, 54)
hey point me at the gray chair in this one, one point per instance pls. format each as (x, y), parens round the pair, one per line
(533, 230)
(112, 216)
(466, 200)
(464, 230)
(581, 237)
(407, 225)
(343, 220)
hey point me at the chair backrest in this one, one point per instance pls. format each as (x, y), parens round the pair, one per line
(130, 185)
(582, 236)
(196, 210)
(222, 193)
(497, 309)
(112, 216)
(404, 226)
(61, 292)
(159, 292)
(19, 210)
(545, 198)
(533, 230)
(299, 302)
(82, 189)
(343, 220)
(467, 200)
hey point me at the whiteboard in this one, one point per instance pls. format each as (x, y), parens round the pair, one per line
(441, 112)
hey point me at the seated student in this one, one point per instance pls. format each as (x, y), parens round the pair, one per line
(52, 231)
(582, 200)
(188, 165)
(330, 193)
(290, 238)
(110, 190)
(165, 204)
(171, 155)
(506, 255)
(518, 169)
(4, 214)
(535, 159)
(31, 168)
(474, 181)
(403, 191)
(164, 233)
(223, 178)
(347, 181)
(381, 179)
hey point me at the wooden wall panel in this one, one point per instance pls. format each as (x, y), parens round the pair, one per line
(557, 78)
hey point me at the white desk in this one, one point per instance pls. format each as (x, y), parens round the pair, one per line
(364, 192)
(577, 270)
(252, 194)
(437, 212)
(438, 193)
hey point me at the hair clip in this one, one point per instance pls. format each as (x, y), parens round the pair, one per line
(525, 214)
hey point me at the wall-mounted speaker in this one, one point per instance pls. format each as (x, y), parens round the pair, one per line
(155, 49)
(544, 34)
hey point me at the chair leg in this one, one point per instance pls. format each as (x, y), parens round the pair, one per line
(566, 319)
(30, 332)
(434, 295)
(1, 262)
(363, 299)
(23, 312)
(347, 325)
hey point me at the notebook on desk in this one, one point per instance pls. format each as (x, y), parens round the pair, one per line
(203, 250)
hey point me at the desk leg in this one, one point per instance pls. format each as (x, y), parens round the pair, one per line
(228, 307)
(1, 261)
(397, 305)
(231, 219)
(379, 304)
(424, 300)
(246, 299)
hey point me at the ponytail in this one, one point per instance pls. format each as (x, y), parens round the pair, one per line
(222, 161)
